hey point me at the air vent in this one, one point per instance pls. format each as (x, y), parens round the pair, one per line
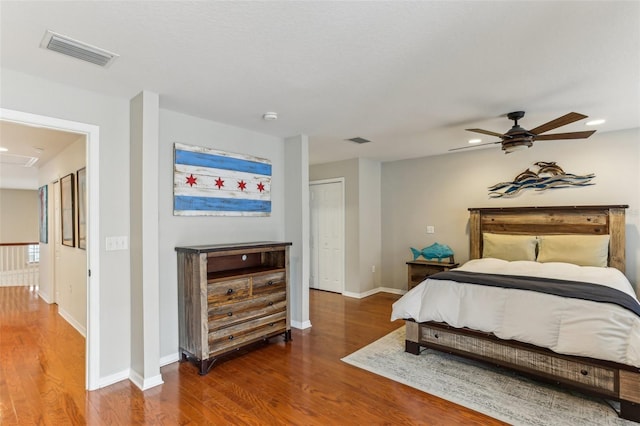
(77, 49)
(359, 140)
(17, 160)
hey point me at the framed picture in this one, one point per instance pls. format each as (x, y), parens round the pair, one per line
(81, 178)
(67, 209)
(43, 217)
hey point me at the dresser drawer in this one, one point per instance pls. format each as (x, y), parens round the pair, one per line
(229, 338)
(228, 290)
(269, 283)
(231, 313)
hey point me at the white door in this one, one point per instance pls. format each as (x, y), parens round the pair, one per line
(327, 235)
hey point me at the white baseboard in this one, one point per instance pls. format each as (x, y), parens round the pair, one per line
(144, 384)
(75, 324)
(374, 291)
(44, 296)
(169, 359)
(301, 325)
(113, 378)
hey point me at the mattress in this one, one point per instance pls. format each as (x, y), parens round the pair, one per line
(565, 325)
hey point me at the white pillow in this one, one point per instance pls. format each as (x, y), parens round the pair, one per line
(583, 250)
(509, 247)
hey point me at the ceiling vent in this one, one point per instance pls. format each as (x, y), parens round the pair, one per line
(359, 140)
(77, 49)
(17, 160)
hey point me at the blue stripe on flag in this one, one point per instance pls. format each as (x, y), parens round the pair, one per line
(183, 202)
(221, 162)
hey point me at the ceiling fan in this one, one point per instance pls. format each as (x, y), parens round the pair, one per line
(518, 138)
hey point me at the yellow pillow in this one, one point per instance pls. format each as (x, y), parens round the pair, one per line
(509, 247)
(583, 250)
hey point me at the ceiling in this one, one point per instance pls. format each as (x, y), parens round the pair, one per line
(409, 76)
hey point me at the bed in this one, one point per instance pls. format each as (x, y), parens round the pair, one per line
(589, 345)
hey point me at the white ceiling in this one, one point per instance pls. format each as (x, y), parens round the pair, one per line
(409, 76)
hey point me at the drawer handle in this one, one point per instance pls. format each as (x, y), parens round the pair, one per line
(231, 337)
(271, 324)
(584, 372)
(436, 335)
(270, 303)
(229, 314)
(230, 291)
(270, 283)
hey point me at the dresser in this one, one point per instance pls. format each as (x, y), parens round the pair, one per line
(418, 270)
(230, 296)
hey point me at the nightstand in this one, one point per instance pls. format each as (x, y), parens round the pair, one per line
(421, 269)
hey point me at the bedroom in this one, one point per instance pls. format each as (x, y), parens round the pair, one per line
(465, 175)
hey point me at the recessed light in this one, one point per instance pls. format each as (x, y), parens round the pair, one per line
(3, 149)
(475, 140)
(594, 122)
(270, 116)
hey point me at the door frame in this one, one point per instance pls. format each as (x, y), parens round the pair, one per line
(92, 135)
(341, 181)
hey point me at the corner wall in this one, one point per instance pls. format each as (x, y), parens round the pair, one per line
(362, 220)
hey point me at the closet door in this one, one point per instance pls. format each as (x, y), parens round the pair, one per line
(327, 235)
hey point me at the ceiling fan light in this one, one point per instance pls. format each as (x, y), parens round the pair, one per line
(472, 141)
(595, 122)
(513, 148)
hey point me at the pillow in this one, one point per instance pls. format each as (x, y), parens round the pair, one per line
(583, 250)
(509, 247)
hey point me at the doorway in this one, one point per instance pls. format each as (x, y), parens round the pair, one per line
(91, 132)
(327, 254)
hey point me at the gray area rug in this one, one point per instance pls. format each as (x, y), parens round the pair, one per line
(501, 394)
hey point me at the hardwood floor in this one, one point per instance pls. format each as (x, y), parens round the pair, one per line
(302, 382)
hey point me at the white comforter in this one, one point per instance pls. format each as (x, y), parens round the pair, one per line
(564, 325)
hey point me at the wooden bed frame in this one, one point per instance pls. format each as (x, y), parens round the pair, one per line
(605, 379)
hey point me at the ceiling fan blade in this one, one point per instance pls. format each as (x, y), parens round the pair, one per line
(474, 145)
(571, 135)
(487, 132)
(558, 122)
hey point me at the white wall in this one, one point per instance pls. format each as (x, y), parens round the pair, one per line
(19, 216)
(71, 292)
(438, 191)
(189, 230)
(370, 224)
(21, 92)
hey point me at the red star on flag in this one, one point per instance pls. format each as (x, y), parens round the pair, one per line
(192, 180)
(219, 183)
(242, 185)
(261, 187)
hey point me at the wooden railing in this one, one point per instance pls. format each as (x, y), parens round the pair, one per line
(19, 264)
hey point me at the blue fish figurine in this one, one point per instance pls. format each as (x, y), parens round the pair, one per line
(416, 253)
(436, 251)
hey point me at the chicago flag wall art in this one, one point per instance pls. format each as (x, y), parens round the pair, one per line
(208, 182)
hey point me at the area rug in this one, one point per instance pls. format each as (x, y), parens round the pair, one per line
(496, 392)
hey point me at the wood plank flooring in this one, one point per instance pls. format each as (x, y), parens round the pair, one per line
(302, 382)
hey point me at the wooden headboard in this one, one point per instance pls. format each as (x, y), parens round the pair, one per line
(586, 220)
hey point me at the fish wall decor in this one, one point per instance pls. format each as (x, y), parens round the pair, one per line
(548, 176)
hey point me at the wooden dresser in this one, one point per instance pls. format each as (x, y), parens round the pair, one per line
(229, 296)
